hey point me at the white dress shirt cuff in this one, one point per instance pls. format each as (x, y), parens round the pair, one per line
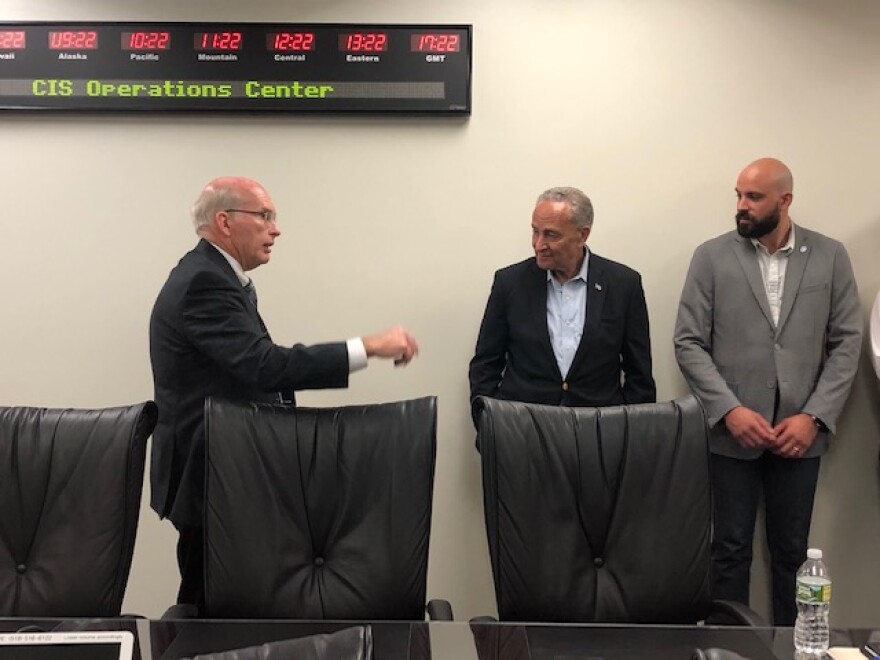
(357, 354)
(875, 335)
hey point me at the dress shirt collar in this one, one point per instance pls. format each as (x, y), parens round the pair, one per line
(582, 273)
(785, 249)
(236, 267)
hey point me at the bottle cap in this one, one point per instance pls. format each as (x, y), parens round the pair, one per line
(814, 553)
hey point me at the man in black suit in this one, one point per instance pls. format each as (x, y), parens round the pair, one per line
(566, 327)
(207, 339)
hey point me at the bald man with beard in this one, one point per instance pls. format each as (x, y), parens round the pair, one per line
(768, 336)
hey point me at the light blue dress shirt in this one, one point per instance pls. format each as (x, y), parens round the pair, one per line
(566, 315)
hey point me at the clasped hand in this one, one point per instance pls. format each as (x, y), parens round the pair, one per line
(790, 438)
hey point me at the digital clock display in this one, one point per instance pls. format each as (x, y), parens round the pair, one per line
(434, 43)
(217, 41)
(73, 40)
(208, 66)
(295, 42)
(12, 39)
(363, 42)
(146, 40)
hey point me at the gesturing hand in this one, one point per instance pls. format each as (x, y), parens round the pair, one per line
(395, 342)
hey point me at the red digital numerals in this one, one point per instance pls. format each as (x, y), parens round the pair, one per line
(146, 41)
(12, 39)
(73, 40)
(435, 43)
(363, 42)
(290, 41)
(217, 41)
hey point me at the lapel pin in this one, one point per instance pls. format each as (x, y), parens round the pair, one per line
(803, 248)
(598, 287)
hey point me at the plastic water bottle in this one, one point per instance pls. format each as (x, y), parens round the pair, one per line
(813, 596)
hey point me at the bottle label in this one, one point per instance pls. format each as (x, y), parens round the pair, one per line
(813, 593)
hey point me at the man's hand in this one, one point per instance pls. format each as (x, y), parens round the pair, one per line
(394, 343)
(749, 429)
(794, 435)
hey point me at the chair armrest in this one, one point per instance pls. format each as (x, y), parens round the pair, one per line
(439, 610)
(729, 612)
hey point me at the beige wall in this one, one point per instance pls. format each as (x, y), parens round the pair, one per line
(651, 106)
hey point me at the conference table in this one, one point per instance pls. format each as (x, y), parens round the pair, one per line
(456, 640)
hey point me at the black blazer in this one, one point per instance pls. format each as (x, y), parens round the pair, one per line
(514, 359)
(207, 339)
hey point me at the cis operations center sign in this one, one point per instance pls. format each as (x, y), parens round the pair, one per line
(242, 67)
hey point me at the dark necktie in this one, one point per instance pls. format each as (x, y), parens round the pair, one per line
(251, 292)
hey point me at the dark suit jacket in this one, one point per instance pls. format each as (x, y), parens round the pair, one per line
(207, 339)
(514, 358)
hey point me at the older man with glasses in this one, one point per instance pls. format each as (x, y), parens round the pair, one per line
(207, 339)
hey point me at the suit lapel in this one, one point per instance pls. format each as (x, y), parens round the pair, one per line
(748, 260)
(596, 289)
(219, 260)
(794, 273)
(537, 302)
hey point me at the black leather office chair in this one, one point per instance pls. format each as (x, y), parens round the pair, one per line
(355, 643)
(70, 488)
(599, 514)
(318, 513)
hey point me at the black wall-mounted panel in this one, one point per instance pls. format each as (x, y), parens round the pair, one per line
(254, 67)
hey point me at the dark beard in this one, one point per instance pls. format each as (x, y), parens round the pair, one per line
(759, 226)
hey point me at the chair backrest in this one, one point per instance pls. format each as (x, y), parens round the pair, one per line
(318, 513)
(70, 488)
(597, 514)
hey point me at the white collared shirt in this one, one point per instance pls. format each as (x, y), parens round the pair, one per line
(239, 271)
(773, 268)
(566, 314)
(357, 354)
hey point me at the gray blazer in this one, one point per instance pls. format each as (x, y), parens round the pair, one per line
(731, 354)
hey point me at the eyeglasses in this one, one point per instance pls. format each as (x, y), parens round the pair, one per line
(268, 216)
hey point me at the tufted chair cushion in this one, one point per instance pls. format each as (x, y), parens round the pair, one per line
(318, 513)
(70, 488)
(597, 514)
